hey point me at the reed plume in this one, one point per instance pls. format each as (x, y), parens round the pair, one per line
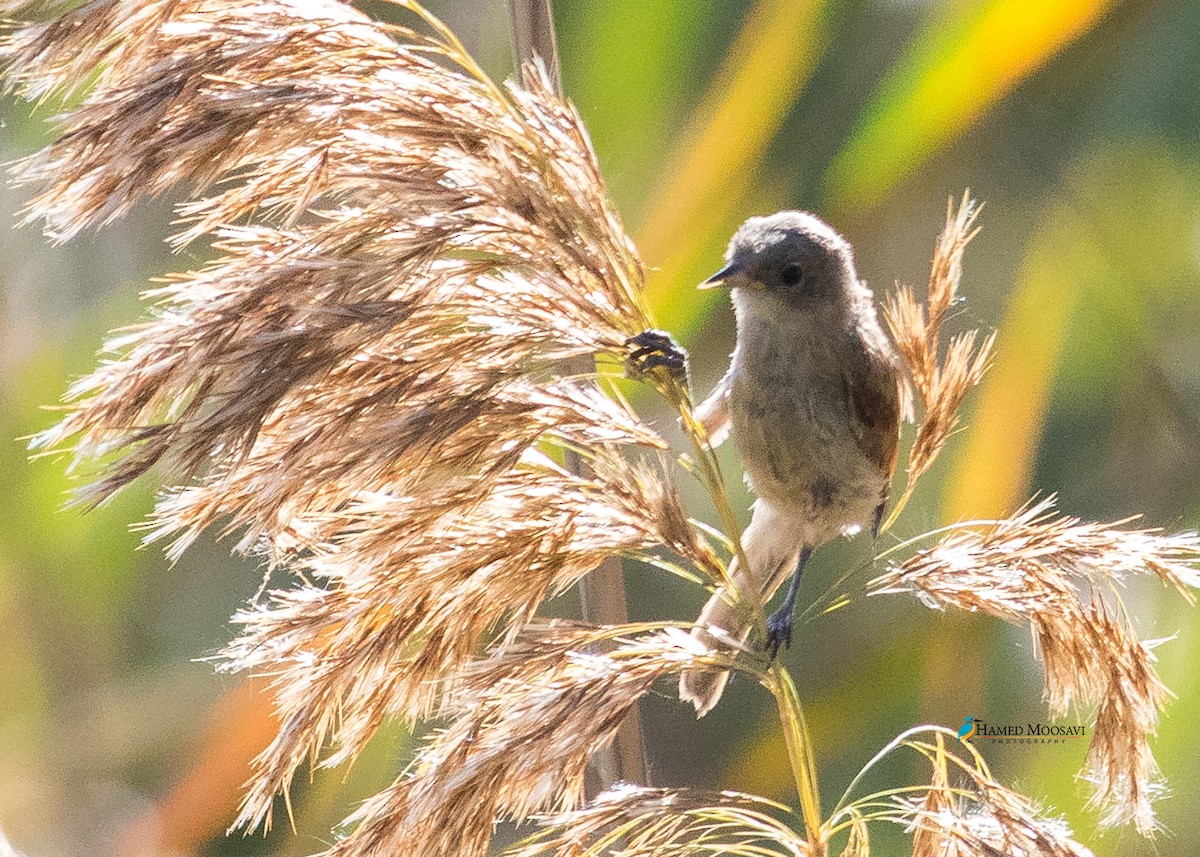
(630, 820)
(966, 813)
(524, 722)
(370, 382)
(1061, 577)
(417, 296)
(941, 376)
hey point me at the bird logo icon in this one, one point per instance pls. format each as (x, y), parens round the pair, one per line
(967, 730)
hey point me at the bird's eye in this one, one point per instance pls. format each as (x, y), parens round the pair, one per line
(791, 275)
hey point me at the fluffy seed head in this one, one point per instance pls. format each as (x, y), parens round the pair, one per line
(1061, 577)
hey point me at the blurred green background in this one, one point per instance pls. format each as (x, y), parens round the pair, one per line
(1077, 121)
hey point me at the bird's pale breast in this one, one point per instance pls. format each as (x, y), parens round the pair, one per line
(793, 422)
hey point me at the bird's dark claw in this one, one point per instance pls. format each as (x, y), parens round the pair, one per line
(655, 349)
(779, 630)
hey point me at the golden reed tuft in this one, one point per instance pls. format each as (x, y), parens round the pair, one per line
(524, 723)
(630, 820)
(367, 383)
(978, 816)
(1061, 576)
(374, 383)
(940, 382)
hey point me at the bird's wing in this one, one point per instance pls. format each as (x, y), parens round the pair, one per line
(713, 412)
(873, 394)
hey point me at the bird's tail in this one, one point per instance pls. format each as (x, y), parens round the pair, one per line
(772, 548)
(703, 688)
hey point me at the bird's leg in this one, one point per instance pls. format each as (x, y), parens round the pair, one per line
(780, 623)
(655, 349)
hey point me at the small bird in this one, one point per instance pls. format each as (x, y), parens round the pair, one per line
(967, 731)
(812, 399)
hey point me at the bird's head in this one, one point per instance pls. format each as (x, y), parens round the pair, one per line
(793, 256)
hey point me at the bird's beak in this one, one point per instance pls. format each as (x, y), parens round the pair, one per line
(729, 277)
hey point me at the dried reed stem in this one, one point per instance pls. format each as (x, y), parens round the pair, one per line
(602, 593)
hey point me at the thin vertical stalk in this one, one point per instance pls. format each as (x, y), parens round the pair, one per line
(800, 755)
(602, 596)
(533, 35)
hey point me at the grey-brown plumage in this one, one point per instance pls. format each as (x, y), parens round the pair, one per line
(812, 401)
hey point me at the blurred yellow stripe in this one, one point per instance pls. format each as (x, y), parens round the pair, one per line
(951, 75)
(991, 475)
(713, 169)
